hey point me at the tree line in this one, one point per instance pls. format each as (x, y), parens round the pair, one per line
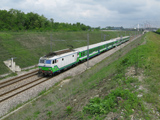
(158, 31)
(16, 20)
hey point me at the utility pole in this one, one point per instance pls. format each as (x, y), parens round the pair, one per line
(101, 36)
(51, 43)
(88, 50)
(136, 61)
(104, 37)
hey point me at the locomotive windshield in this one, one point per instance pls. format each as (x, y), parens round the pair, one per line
(48, 61)
(41, 61)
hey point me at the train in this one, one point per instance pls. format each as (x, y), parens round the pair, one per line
(58, 61)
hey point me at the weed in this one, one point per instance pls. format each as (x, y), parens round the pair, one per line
(36, 114)
(10, 75)
(69, 109)
(42, 92)
(17, 106)
(118, 98)
(49, 103)
(69, 77)
(150, 98)
(130, 80)
(49, 113)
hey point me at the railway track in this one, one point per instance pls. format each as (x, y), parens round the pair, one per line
(17, 79)
(7, 83)
(22, 88)
(5, 95)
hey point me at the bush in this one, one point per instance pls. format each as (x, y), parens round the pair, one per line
(118, 98)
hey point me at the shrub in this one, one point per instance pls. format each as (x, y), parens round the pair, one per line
(119, 97)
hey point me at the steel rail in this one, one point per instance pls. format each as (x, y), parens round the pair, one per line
(17, 77)
(15, 81)
(23, 89)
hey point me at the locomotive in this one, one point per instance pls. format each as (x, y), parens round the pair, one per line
(63, 59)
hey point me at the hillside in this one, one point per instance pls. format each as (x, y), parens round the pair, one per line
(28, 47)
(128, 88)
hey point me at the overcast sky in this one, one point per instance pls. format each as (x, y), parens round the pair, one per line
(126, 13)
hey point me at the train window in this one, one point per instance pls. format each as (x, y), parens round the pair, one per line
(72, 55)
(41, 61)
(48, 61)
(54, 61)
(62, 59)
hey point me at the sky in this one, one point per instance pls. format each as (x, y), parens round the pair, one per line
(95, 13)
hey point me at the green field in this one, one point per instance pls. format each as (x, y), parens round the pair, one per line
(28, 47)
(122, 86)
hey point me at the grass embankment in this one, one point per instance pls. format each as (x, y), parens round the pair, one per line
(28, 47)
(107, 91)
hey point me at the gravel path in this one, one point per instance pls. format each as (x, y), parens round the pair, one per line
(33, 92)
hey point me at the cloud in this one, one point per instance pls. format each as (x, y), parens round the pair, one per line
(90, 12)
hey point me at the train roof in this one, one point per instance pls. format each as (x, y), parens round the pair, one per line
(59, 54)
(66, 52)
(96, 45)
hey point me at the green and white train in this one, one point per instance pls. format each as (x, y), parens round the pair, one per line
(63, 59)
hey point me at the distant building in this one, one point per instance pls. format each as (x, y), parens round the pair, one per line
(114, 28)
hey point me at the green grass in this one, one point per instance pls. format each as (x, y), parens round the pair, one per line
(42, 92)
(28, 47)
(116, 99)
(81, 88)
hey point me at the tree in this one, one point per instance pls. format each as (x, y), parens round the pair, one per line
(17, 20)
(158, 31)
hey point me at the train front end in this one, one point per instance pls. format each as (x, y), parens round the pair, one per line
(45, 67)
